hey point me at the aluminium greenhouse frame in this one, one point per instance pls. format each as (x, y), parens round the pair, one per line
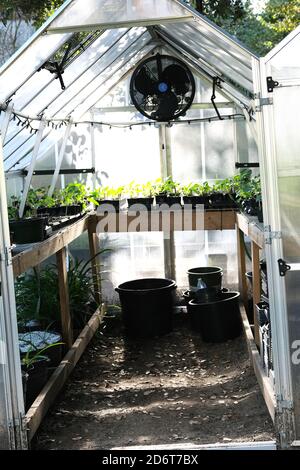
(211, 53)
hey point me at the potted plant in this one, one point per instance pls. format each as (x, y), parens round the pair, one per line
(31, 228)
(248, 193)
(75, 197)
(223, 196)
(195, 193)
(105, 195)
(142, 194)
(167, 192)
(34, 365)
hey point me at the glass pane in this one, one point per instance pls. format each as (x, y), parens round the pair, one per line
(111, 64)
(217, 56)
(83, 68)
(286, 64)
(15, 74)
(109, 12)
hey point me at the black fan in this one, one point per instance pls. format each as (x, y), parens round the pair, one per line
(162, 88)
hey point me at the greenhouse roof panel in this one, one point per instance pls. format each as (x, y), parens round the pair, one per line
(82, 15)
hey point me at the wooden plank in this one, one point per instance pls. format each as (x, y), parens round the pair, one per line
(242, 266)
(41, 251)
(47, 396)
(66, 324)
(242, 223)
(263, 380)
(256, 287)
(94, 249)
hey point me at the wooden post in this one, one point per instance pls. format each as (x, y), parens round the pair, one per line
(94, 249)
(256, 287)
(242, 267)
(66, 323)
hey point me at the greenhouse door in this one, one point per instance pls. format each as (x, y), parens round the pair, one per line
(277, 86)
(12, 419)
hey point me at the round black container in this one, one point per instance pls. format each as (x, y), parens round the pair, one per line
(36, 379)
(212, 276)
(147, 306)
(217, 321)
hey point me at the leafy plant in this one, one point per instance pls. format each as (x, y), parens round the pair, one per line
(37, 293)
(192, 189)
(167, 187)
(29, 359)
(72, 194)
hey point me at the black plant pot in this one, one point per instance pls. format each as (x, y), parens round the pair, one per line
(113, 203)
(210, 275)
(196, 200)
(147, 202)
(54, 211)
(74, 209)
(222, 201)
(217, 321)
(37, 378)
(147, 306)
(168, 200)
(31, 230)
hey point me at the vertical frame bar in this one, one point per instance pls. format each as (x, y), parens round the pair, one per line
(10, 345)
(31, 167)
(66, 324)
(60, 159)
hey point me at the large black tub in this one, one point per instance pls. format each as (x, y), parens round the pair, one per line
(147, 306)
(217, 321)
(210, 275)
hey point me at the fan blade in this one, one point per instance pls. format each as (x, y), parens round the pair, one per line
(144, 83)
(168, 104)
(177, 78)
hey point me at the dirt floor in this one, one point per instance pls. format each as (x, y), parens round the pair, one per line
(175, 389)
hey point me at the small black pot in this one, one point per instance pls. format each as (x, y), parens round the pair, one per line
(211, 275)
(30, 230)
(114, 203)
(74, 209)
(222, 201)
(144, 201)
(37, 378)
(54, 211)
(194, 200)
(166, 199)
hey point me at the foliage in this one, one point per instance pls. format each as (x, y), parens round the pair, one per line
(35, 355)
(167, 187)
(37, 293)
(105, 193)
(30, 10)
(72, 194)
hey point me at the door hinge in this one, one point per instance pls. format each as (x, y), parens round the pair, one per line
(7, 256)
(283, 267)
(271, 84)
(260, 102)
(269, 235)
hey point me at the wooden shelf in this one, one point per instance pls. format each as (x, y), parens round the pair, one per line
(39, 252)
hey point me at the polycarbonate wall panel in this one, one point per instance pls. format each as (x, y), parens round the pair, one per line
(82, 66)
(27, 63)
(217, 56)
(84, 13)
(286, 65)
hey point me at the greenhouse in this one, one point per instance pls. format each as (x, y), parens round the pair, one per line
(149, 206)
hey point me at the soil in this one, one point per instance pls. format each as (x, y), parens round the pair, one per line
(169, 390)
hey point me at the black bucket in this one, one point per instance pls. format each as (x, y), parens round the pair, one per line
(147, 306)
(211, 275)
(217, 321)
